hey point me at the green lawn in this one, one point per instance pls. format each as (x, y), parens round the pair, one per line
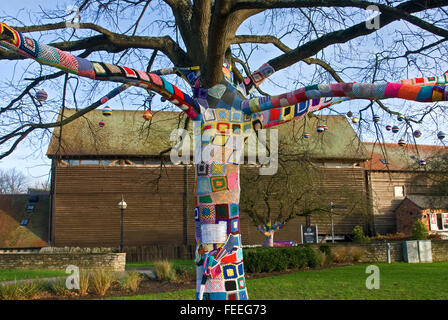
(151, 263)
(397, 281)
(6, 275)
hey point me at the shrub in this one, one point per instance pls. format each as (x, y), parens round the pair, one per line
(59, 288)
(358, 235)
(325, 248)
(84, 282)
(279, 259)
(164, 270)
(321, 258)
(312, 258)
(435, 236)
(185, 273)
(356, 254)
(32, 289)
(419, 231)
(339, 254)
(102, 280)
(10, 291)
(131, 281)
(391, 237)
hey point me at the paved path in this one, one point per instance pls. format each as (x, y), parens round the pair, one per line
(52, 279)
(147, 271)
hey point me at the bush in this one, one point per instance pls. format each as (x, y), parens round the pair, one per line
(419, 231)
(312, 258)
(279, 259)
(10, 291)
(321, 258)
(325, 248)
(185, 273)
(164, 270)
(391, 237)
(84, 282)
(339, 254)
(356, 254)
(435, 236)
(59, 288)
(131, 281)
(358, 235)
(32, 289)
(102, 280)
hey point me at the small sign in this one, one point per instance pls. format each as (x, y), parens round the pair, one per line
(214, 233)
(309, 234)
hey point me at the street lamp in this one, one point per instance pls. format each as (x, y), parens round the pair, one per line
(122, 205)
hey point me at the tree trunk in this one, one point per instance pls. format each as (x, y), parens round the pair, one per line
(219, 257)
(270, 239)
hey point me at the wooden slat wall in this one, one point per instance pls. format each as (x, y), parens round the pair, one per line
(86, 212)
(344, 186)
(384, 201)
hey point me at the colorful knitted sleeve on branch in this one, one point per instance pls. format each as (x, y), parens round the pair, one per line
(48, 55)
(429, 89)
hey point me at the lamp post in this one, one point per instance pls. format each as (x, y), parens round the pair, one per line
(122, 205)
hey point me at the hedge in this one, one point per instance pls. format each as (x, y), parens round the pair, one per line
(278, 259)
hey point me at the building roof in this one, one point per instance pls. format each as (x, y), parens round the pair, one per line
(391, 156)
(13, 209)
(429, 202)
(339, 142)
(126, 133)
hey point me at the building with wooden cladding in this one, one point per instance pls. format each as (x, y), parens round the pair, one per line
(93, 166)
(393, 172)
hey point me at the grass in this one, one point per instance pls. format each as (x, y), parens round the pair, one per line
(398, 281)
(8, 275)
(175, 263)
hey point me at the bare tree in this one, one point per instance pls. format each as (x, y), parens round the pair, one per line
(193, 40)
(41, 185)
(271, 201)
(12, 181)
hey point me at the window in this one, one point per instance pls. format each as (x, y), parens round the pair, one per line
(333, 164)
(348, 164)
(399, 191)
(86, 162)
(439, 221)
(24, 222)
(73, 162)
(444, 219)
(319, 164)
(384, 161)
(106, 162)
(30, 207)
